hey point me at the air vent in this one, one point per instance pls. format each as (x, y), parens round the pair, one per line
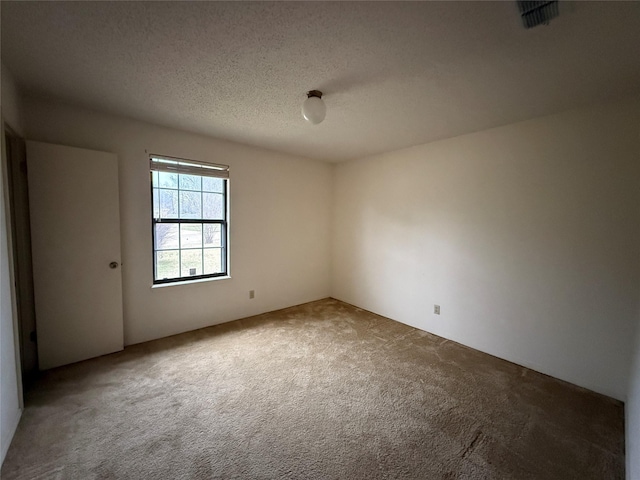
(537, 12)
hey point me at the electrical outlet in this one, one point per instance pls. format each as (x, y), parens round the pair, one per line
(436, 309)
(252, 294)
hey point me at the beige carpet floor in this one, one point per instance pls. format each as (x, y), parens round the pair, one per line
(318, 391)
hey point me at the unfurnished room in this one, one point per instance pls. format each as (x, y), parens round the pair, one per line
(320, 240)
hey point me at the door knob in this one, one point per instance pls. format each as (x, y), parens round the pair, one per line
(113, 265)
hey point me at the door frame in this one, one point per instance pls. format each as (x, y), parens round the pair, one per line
(18, 190)
(5, 134)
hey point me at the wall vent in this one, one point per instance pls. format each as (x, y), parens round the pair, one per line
(537, 12)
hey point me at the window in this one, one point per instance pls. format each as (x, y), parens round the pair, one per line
(190, 226)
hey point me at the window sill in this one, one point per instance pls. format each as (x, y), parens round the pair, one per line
(190, 282)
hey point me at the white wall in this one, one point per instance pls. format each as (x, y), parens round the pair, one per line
(632, 413)
(280, 216)
(10, 386)
(11, 102)
(527, 235)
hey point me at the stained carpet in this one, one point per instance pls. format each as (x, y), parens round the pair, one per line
(318, 391)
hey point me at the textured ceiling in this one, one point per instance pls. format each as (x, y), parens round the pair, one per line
(394, 74)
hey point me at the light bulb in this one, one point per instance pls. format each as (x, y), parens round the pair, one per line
(313, 108)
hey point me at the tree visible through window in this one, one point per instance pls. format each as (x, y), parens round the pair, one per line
(189, 219)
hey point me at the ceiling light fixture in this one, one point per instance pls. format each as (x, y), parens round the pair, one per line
(313, 108)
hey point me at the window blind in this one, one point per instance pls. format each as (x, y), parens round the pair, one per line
(190, 167)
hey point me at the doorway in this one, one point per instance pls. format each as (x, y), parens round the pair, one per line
(18, 191)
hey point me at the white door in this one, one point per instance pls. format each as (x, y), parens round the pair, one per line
(75, 240)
